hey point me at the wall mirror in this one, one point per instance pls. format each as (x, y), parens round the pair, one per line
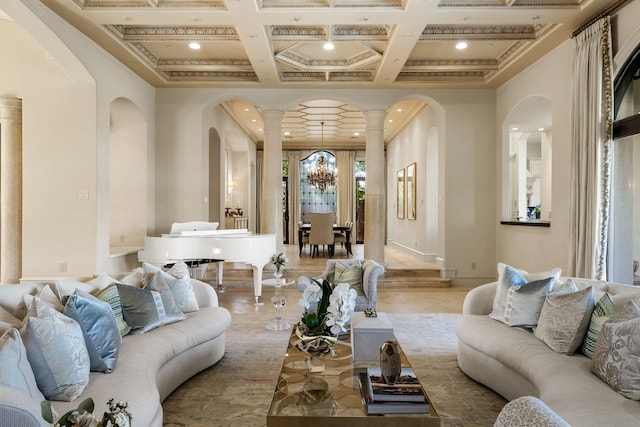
(527, 146)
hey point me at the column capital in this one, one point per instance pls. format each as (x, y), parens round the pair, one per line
(272, 117)
(375, 118)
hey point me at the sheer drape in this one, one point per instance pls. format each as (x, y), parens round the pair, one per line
(590, 166)
(294, 195)
(346, 163)
(259, 162)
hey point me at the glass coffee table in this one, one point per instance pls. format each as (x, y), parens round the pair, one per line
(332, 396)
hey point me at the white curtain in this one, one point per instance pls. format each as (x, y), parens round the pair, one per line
(294, 195)
(259, 157)
(346, 164)
(591, 159)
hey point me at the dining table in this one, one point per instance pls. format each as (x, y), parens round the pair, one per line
(306, 227)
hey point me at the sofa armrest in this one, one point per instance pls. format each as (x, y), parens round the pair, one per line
(528, 411)
(479, 300)
(19, 410)
(205, 294)
(371, 270)
(304, 281)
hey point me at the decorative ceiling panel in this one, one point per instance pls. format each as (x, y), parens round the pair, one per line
(279, 43)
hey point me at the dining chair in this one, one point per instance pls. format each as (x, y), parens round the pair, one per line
(304, 237)
(321, 232)
(341, 236)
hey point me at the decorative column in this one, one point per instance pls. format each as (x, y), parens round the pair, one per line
(10, 190)
(271, 203)
(374, 217)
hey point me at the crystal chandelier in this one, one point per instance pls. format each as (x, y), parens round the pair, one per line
(321, 175)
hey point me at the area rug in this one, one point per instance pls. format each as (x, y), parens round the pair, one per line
(237, 390)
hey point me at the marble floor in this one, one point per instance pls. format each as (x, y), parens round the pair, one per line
(239, 299)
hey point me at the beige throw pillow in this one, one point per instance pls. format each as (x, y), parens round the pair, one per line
(564, 320)
(351, 274)
(617, 356)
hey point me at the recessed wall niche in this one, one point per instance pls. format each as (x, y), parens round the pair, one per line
(527, 147)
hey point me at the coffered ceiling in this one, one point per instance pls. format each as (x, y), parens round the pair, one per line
(279, 44)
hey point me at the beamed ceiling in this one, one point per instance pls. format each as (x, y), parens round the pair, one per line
(279, 44)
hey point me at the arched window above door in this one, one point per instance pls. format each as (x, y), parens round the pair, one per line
(312, 199)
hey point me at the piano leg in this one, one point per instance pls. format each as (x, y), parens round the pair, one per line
(257, 285)
(219, 269)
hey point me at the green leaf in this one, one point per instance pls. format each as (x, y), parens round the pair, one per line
(324, 301)
(311, 320)
(47, 414)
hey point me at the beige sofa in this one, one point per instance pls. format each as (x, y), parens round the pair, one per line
(515, 363)
(149, 366)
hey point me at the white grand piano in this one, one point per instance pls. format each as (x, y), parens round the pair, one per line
(237, 245)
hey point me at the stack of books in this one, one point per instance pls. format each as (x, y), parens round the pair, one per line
(404, 397)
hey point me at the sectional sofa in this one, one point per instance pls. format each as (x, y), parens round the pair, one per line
(548, 364)
(148, 366)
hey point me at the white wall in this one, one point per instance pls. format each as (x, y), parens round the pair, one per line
(67, 84)
(408, 147)
(539, 248)
(184, 118)
(58, 156)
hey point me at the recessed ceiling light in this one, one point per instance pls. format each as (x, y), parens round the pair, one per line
(287, 133)
(461, 45)
(253, 120)
(194, 45)
(356, 134)
(390, 120)
(328, 46)
(399, 110)
(246, 109)
(514, 128)
(541, 129)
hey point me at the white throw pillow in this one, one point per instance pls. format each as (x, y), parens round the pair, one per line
(65, 288)
(46, 295)
(179, 282)
(15, 370)
(520, 295)
(56, 351)
(8, 321)
(564, 320)
(134, 278)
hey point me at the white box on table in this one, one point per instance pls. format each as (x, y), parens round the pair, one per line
(368, 334)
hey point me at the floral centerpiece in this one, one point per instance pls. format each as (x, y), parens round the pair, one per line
(327, 308)
(279, 260)
(116, 416)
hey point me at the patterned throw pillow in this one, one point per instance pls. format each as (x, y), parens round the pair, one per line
(616, 359)
(351, 274)
(603, 310)
(564, 320)
(111, 296)
(56, 352)
(518, 301)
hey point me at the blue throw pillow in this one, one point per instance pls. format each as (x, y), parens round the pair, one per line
(99, 327)
(519, 302)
